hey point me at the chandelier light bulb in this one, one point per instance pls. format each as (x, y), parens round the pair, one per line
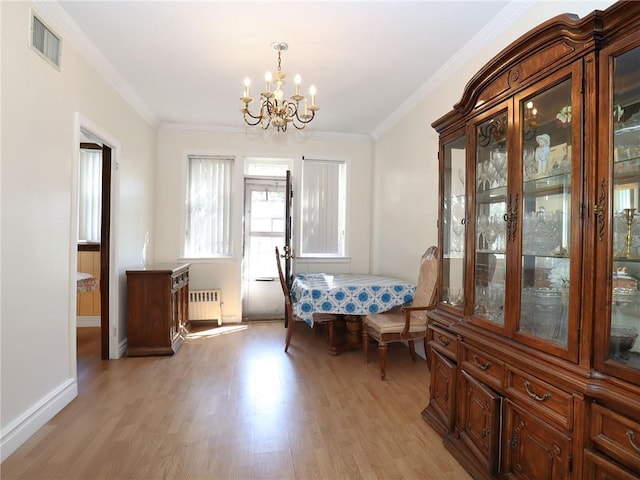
(247, 83)
(268, 78)
(312, 92)
(297, 80)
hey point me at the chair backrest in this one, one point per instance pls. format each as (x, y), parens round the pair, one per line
(426, 288)
(283, 282)
(285, 288)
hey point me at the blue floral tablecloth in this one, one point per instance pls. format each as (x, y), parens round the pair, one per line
(348, 294)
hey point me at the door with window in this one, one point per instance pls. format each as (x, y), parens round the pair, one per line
(264, 229)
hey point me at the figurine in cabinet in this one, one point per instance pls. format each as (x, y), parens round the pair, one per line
(542, 151)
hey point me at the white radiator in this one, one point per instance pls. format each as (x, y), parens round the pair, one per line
(204, 305)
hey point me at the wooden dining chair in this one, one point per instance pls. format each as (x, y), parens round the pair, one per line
(407, 323)
(288, 305)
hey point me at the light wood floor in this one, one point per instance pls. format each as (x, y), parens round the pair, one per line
(231, 404)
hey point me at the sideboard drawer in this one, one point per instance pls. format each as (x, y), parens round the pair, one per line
(555, 404)
(482, 366)
(616, 435)
(443, 341)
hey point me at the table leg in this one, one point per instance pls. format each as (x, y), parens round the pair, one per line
(353, 339)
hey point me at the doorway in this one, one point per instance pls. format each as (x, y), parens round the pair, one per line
(99, 246)
(264, 229)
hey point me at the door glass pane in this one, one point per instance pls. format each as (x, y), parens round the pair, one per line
(546, 213)
(454, 222)
(265, 229)
(490, 239)
(625, 309)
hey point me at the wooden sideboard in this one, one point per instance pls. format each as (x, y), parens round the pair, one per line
(157, 309)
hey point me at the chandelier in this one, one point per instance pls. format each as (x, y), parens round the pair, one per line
(275, 109)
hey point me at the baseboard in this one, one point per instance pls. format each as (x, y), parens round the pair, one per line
(88, 321)
(26, 425)
(231, 319)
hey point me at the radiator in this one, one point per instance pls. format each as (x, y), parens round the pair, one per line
(204, 305)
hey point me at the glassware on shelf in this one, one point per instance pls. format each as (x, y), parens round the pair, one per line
(544, 313)
(489, 302)
(542, 233)
(621, 341)
(499, 161)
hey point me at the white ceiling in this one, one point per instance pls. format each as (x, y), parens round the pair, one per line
(184, 62)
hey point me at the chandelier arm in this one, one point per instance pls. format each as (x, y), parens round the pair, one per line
(257, 118)
(313, 114)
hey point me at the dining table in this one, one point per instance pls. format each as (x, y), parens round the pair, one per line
(86, 282)
(347, 297)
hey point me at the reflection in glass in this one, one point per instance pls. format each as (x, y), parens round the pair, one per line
(454, 222)
(624, 346)
(545, 217)
(490, 227)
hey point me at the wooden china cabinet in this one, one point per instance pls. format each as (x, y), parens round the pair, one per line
(535, 357)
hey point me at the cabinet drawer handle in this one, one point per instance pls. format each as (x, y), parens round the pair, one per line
(546, 396)
(443, 340)
(486, 431)
(631, 435)
(480, 365)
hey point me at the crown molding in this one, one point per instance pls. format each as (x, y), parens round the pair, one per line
(255, 132)
(510, 13)
(52, 13)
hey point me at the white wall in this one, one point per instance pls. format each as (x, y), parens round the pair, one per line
(175, 145)
(405, 156)
(40, 106)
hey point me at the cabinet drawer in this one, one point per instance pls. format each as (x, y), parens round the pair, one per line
(553, 403)
(443, 341)
(597, 467)
(616, 435)
(482, 366)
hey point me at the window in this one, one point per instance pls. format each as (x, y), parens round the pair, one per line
(208, 232)
(323, 204)
(89, 194)
(45, 42)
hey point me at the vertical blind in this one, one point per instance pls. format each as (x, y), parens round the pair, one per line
(208, 206)
(323, 207)
(89, 195)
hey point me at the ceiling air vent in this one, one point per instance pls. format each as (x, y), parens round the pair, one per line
(45, 41)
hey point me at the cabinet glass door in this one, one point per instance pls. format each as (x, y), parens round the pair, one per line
(545, 213)
(490, 232)
(624, 346)
(453, 222)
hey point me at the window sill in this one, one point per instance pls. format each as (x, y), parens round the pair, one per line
(326, 259)
(207, 259)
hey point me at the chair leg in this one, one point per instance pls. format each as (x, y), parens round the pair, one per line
(289, 334)
(365, 344)
(412, 350)
(382, 351)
